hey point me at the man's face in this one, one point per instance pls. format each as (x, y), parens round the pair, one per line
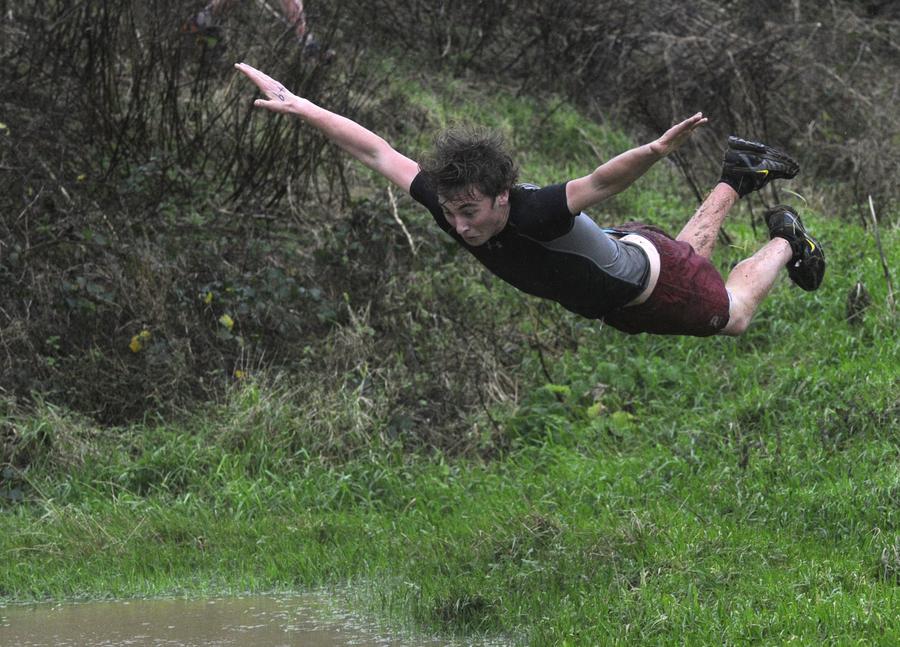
(475, 216)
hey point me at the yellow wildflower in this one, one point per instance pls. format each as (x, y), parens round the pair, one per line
(226, 321)
(207, 298)
(239, 374)
(138, 341)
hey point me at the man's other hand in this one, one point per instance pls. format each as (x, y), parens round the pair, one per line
(675, 136)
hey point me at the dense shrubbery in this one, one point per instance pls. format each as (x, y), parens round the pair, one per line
(818, 78)
(153, 231)
(161, 248)
(158, 240)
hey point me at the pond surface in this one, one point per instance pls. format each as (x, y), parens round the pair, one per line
(263, 621)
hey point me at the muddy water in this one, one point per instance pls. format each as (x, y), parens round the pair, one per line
(307, 620)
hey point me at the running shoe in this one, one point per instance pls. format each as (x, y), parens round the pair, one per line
(807, 265)
(749, 166)
(314, 50)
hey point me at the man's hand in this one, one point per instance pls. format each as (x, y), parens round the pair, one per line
(617, 174)
(675, 136)
(361, 143)
(280, 99)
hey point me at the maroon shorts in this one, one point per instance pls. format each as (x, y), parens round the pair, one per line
(689, 297)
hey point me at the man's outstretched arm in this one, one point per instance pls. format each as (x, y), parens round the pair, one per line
(617, 174)
(361, 143)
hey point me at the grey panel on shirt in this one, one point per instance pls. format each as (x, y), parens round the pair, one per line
(626, 262)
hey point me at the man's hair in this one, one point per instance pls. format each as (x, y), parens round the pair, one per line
(465, 158)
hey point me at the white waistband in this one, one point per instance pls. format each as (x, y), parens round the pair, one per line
(653, 257)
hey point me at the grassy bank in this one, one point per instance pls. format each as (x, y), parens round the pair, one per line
(662, 490)
(613, 489)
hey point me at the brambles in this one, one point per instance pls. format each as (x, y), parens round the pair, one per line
(818, 79)
(146, 206)
(160, 240)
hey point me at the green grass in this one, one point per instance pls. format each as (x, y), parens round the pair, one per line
(655, 491)
(666, 491)
(638, 537)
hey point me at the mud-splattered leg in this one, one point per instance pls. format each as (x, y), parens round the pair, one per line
(750, 282)
(702, 229)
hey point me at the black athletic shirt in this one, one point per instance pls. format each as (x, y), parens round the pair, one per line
(546, 251)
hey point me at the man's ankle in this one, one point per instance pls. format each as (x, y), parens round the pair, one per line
(730, 183)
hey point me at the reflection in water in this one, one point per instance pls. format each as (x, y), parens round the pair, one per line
(259, 621)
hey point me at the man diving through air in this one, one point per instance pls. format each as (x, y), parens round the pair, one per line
(634, 277)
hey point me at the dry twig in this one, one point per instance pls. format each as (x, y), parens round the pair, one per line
(884, 265)
(396, 213)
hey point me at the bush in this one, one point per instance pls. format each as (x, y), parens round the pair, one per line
(144, 246)
(159, 241)
(819, 79)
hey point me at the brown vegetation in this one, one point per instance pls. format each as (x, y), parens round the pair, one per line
(140, 202)
(820, 79)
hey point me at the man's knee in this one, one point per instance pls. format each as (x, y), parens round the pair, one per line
(736, 326)
(739, 317)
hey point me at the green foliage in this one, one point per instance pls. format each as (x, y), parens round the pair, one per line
(283, 392)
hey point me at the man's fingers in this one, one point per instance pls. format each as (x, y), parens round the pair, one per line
(268, 86)
(689, 125)
(694, 120)
(259, 78)
(673, 138)
(273, 106)
(247, 69)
